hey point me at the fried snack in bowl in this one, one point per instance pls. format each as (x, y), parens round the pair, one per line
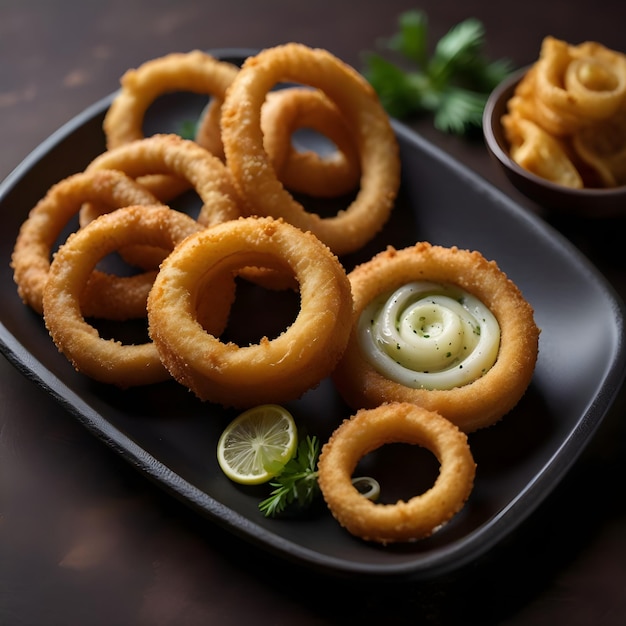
(538, 152)
(262, 192)
(602, 147)
(577, 84)
(442, 328)
(402, 521)
(272, 370)
(105, 295)
(593, 200)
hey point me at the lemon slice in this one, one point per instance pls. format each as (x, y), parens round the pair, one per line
(257, 444)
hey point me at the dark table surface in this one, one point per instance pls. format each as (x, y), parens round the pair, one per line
(86, 540)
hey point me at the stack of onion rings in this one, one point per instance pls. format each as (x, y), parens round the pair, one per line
(196, 72)
(105, 295)
(106, 360)
(201, 73)
(403, 521)
(286, 111)
(168, 153)
(274, 370)
(250, 226)
(261, 190)
(564, 121)
(171, 154)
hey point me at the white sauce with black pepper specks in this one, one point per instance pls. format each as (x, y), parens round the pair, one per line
(428, 335)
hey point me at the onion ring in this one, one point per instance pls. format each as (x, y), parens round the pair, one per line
(284, 112)
(421, 515)
(209, 128)
(174, 155)
(107, 360)
(581, 84)
(305, 171)
(105, 295)
(473, 405)
(169, 153)
(194, 71)
(273, 370)
(262, 192)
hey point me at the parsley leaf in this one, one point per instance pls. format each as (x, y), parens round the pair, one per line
(452, 83)
(187, 129)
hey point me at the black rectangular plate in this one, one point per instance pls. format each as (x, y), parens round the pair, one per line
(171, 437)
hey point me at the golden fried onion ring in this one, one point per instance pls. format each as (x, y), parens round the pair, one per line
(273, 370)
(474, 405)
(403, 521)
(581, 84)
(305, 171)
(308, 172)
(171, 154)
(105, 295)
(196, 72)
(262, 192)
(107, 360)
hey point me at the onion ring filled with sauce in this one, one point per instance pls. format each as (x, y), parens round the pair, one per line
(273, 370)
(262, 193)
(477, 401)
(408, 520)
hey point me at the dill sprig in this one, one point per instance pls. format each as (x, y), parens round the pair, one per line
(296, 485)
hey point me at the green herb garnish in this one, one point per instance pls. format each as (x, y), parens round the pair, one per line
(296, 485)
(453, 83)
(188, 129)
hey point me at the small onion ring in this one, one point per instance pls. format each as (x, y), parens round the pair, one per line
(261, 190)
(403, 521)
(471, 406)
(287, 110)
(107, 360)
(274, 370)
(105, 295)
(194, 71)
